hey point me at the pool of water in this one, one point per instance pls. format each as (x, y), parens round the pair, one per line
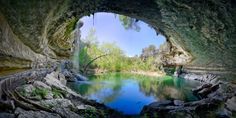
(128, 93)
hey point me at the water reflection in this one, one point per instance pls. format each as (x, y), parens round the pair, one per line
(129, 93)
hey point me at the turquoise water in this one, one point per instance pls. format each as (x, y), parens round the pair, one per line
(128, 93)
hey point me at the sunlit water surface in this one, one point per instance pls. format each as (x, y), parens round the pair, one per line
(128, 93)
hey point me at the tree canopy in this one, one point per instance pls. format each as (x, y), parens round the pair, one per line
(110, 57)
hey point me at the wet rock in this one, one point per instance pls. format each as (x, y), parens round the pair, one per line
(216, 95)
(204, 92)
(83, 107)
(178, 102)
(34, 114)
(208, 104)
(201, 87)
(206, 89)
(201, 108)
(66, 113)
(162, 111)
(80, 77)
(7, 115)
(69, 76)
(161, 103)
(179, 114)
(215, 87)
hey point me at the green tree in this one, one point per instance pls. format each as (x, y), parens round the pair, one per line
(129, 23)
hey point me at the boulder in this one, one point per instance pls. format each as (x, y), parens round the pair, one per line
(207, 90)
(204, 92)
(54, 82)
(201, 87)
(56, 103)
(69, 76)
(62, 78)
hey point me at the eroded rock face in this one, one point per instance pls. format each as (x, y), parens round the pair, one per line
(201, 33)
(35, 114)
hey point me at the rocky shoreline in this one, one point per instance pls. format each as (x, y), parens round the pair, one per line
(43, 93)
(217, 99)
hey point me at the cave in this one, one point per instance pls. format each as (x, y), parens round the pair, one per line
(203, 31)
(200, 34)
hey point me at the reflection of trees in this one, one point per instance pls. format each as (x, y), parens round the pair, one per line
(97, 86)
(167, 88)
(162, 88)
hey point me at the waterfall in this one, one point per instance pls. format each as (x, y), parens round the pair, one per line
(76, 45)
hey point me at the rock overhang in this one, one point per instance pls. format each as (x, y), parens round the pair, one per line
(204, 32)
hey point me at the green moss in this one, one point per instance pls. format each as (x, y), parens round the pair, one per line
(58, 93)
(41, 92)
(23, 92)
(71, 24)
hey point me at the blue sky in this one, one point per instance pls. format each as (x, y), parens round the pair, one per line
(109, 29)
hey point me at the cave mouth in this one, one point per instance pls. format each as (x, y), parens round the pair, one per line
(200, 35)
(125, 82)
(102, 33)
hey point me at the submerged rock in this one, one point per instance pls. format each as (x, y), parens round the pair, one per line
(161, 103)
(80, 77)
